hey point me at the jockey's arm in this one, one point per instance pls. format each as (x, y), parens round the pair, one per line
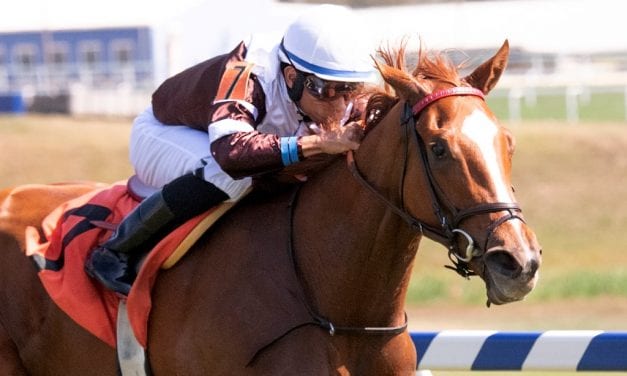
(253, 153)
(242, 151)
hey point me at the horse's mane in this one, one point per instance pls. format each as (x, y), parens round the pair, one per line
(431, 66)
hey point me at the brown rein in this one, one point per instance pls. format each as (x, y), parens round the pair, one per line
(318, 319)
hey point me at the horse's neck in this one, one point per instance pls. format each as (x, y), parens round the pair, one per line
(354, 253)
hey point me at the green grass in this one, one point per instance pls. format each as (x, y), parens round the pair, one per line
(592, 107)
(603, 107)
(583, 284)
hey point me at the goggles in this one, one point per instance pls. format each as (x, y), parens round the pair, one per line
(329, 90)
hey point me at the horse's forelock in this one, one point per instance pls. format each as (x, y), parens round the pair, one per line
(431, 66)
(436, 65)
(394, 56)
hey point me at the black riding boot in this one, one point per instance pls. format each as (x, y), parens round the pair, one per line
(114, 263)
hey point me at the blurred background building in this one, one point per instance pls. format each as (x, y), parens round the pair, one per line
(106, 58)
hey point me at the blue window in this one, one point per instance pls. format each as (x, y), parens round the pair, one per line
(90, 54)
(122, 52)
(25, 57)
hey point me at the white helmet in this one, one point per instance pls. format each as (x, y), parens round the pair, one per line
(329, 42)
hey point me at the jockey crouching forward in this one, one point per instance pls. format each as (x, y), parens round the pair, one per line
(249, 112)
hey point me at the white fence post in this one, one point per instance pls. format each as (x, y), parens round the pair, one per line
(572, 103)
(513, 104)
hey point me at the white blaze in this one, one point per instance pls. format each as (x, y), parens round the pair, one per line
(482, 131)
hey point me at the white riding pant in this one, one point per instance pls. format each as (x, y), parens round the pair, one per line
(161, 153)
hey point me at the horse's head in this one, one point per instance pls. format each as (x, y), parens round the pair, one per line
(455, 147)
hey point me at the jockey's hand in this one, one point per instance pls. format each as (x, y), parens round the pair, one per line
(336, 141)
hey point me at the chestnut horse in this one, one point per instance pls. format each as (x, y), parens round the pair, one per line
(313, 281)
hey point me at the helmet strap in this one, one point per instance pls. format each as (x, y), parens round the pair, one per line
(296, 91)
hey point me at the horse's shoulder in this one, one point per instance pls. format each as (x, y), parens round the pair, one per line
(27, 205)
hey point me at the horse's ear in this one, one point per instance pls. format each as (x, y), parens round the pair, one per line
(487, 74)
(405, 86)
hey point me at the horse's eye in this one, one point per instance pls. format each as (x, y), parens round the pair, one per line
(438, 149)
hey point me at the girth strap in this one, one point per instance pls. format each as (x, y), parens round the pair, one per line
(373, 331)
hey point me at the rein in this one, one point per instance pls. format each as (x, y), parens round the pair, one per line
(448, 228)
(319, 320)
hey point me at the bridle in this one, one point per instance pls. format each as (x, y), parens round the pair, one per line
(448, 215)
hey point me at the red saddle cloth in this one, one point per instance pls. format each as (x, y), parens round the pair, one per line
(75, 228)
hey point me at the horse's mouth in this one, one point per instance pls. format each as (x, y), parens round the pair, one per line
(500, 290)
(495, 296)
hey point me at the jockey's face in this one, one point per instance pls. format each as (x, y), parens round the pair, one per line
(326, 111)
(329, 90)
(323, 101)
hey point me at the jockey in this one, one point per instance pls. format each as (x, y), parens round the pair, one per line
(214, 126)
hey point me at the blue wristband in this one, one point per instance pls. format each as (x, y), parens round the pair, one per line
(285, 151)
(293, 145)
(289, 150)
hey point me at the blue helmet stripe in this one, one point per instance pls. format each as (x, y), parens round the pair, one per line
(322, 70)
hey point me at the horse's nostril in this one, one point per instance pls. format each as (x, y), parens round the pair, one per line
(532, 267)
(503, 263)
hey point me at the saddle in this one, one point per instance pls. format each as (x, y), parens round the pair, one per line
(75, 227)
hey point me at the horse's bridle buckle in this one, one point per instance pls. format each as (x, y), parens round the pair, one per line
(471, 249)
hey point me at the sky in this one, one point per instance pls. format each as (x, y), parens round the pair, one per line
(539, 25)
(20, 14)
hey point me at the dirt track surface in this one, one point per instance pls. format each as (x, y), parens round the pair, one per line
(605, 313)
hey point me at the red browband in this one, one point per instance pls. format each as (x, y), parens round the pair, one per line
(424, 102)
